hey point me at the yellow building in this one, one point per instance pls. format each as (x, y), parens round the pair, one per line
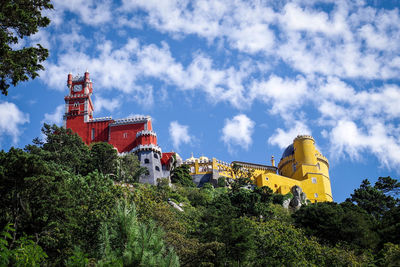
(301, 164)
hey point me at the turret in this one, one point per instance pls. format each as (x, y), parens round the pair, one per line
(69, 81)
(304, 150)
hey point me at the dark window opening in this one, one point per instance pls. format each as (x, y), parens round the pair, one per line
(146, 161)
(157, 168)
(156, 156)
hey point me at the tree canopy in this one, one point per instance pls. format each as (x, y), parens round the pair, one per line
(63, 204)
(19, 19)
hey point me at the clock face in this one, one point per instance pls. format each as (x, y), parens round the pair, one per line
(77, 87)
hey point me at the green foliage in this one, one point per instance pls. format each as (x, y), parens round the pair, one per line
(77, 259)
(130, 169)
(64, 148)
(127, 242)
(104, 158)
(389, 226)
(221, 181)
(389, 255)
(17, 20)
(333, 223)
(25, 251)
(373, 198)
(181, 175)
(63, 193)
(388, 185)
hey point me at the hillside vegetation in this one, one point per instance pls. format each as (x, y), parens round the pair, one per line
(63, 203)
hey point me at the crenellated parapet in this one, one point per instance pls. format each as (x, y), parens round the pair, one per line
(145, 133)
(137, 119)
(149, 147)
(100, 119)
(302, 137)
(323, 159)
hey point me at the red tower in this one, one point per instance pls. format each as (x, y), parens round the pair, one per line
(130, 135)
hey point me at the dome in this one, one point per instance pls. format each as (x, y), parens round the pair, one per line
(191, 159)
(288, 151)
(203, 158)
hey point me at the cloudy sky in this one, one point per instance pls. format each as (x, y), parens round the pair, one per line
(231, 79)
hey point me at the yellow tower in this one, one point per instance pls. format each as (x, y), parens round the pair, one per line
(302, 162)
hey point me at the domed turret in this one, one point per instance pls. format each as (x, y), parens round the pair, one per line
(203, 158)
(191, 159)
(304, 150)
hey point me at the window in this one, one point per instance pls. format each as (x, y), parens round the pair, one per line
(315, 195)
(125, 135)
(156, 156)
(318, 166)
(314, 180)
(266, 178)
(146, 161)
(157, 168)
(92, 133)
(76, 104)
(294, 167)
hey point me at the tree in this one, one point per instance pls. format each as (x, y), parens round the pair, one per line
(130, 170)
(19, 19)
(104, 158)
(127, 242)
(63, 147)
(333, 223)
(376, 200)
(181, 175)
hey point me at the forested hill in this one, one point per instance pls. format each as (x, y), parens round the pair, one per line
(63, 203)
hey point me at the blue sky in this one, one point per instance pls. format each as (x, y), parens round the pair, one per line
(235, 80)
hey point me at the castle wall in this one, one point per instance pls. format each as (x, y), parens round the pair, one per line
(97, 131)
(151, 160)
(123, 137)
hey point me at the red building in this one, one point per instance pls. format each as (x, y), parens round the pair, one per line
(130, 135)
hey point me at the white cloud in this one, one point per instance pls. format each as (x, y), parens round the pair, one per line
(11, 118)
(284, 138)
(238, 131)
(91, 12)
(179, 134)
(283, 96)
(56, 117)
(297, 59)
(104, 103)
(347, 137)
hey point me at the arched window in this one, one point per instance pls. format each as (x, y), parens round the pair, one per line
(157, 168)
(146, 161)
(156, 156)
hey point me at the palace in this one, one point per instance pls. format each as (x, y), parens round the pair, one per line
(301, 163)
(129, 135)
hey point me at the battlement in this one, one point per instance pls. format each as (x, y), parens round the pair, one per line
(100, 119)
(67, 97)
(145, 132)
(137, 119)
(78, 78)
(302, 137)
(151, 147)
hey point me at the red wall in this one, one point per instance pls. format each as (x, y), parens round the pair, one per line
(76, 124)
(117, 139)
(100, 131)
(146, 140)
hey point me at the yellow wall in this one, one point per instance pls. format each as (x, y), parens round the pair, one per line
(306, 167)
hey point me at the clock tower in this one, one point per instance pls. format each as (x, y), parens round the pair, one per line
(78, 104)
